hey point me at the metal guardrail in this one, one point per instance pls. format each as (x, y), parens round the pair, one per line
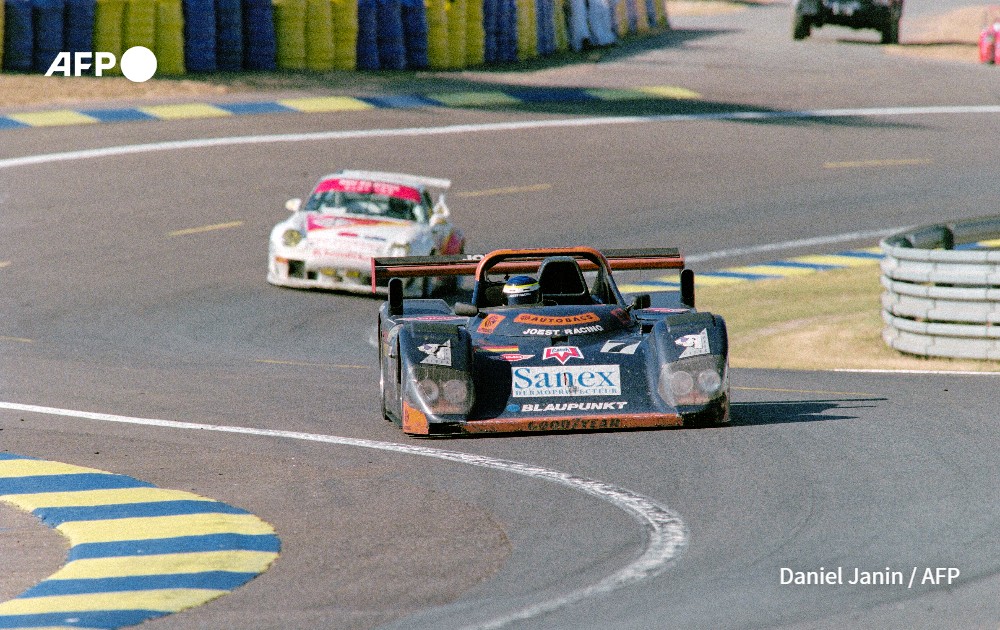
(942, 290)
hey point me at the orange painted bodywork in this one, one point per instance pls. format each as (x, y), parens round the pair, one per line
(573, 423)
(414, 421)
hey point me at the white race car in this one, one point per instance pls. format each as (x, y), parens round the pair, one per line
(354, 216)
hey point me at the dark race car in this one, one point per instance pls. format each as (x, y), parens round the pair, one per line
(576, 356)
(881, 15)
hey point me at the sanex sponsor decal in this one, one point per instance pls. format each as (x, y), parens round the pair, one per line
(575, 380)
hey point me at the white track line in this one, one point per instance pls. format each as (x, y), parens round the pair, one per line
(932, 372)
(524, 125)
(665, 532)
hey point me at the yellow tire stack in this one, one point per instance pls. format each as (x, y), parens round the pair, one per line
(290, 32)
(438, 51)
(621, 16)
(527, 30)
(642, 24)
(109, 16)
(345, 34)
(559, 15)
(660, 6)
(169, 37)
(140, 24)
(475, 34)
(457, 26)
(319, 35)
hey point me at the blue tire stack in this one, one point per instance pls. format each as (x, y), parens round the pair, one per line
(259, 46)
(391, 49)
(229, 35)
(414, 14)
(199, 36)
(47, 22)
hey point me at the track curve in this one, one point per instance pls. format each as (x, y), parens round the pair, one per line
(121, 306)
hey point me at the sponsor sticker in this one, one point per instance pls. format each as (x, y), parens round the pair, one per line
(570, 380)
(334, 255)
(437, 353)
(490, 323)
(568, 320)
(507, 353)
(500, 348)
(553, 332)
(562, 353)
(573, 406)
(620, 347)
(694, 345)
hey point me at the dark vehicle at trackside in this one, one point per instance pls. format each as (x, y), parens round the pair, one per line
(881, 15)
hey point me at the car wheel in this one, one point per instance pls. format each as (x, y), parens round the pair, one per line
(801, 27)
(890, 33)
(381, 383)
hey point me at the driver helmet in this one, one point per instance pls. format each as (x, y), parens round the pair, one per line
(522, 290)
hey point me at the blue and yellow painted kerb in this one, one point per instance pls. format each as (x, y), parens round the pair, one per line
(774, 270)
(136, 551)
(331, 104)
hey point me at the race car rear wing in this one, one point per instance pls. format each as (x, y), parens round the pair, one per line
(522, 261)
(413, 181)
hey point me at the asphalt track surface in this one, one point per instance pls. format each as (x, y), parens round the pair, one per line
(111, 307)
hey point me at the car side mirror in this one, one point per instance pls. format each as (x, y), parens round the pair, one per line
(687, 288)
(464, 309)
(640, 302)
(293, 205)
(395, 296)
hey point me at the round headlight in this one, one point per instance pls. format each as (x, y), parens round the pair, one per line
(429, 390)
(681, 383)
(291, 238)
(709, 381)
(455, 391)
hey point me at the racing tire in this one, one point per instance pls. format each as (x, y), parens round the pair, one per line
(381, 383)
(890, 32)
(801, 27)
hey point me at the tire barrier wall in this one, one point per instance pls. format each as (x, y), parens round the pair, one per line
(942, 290)
(316, 35)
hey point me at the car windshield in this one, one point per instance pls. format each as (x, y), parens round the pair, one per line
(366, 204)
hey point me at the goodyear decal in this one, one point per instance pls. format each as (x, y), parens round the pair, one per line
(136, 551)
